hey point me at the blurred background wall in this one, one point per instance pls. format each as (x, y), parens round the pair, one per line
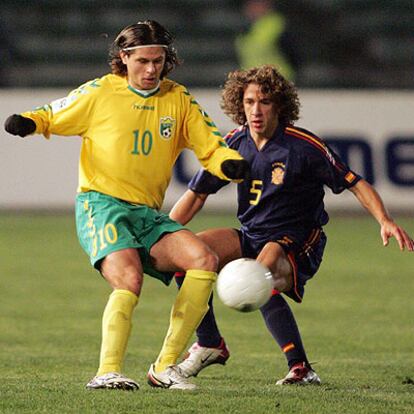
(331, 43)
(352, 60)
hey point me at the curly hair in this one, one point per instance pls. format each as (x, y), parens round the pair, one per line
(148, 32)
(281, 91)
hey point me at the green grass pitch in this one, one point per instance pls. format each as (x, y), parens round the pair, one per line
(356, 322)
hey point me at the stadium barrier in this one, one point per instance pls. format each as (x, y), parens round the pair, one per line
(372, 130)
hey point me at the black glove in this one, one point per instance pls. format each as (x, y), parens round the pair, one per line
(235, 169)
(19, 125)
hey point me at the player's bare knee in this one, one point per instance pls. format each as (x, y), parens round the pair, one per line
(132, 280)
(205, 259)
(281, 269)
(282, 282)
(127, 277)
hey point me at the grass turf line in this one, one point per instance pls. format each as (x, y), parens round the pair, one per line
(356, 323)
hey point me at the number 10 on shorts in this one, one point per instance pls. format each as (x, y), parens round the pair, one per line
(102, 237)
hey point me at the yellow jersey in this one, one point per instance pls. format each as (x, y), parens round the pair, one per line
(130, 141)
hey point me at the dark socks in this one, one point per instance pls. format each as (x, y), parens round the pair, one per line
(207, 332)
(281, 324)
(279, 320)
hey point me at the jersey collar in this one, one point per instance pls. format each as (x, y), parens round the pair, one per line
(278, 134)
(145, 93)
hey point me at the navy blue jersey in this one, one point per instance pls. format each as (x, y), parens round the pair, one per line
(285, 190)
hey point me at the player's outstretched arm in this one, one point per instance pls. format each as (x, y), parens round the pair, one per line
(19, 125)
(371, 200)
(188, 205)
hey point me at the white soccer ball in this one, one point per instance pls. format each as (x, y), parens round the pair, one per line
(244, 284)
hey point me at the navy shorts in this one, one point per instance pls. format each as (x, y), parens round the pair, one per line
(303, 249)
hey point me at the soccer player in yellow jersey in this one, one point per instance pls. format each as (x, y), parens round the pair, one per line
(134, 123)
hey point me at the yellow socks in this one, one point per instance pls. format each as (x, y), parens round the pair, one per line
(116, 327)
(191, 304)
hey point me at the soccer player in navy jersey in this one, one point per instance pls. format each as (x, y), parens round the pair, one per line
(280, 208)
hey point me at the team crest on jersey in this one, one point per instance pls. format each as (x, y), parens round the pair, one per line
(167, 127)
(278, 173)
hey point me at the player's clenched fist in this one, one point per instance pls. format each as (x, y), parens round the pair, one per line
(19, 125)
(235, 169)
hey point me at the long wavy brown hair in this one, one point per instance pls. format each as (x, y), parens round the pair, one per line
(272, 83)
(148, 32)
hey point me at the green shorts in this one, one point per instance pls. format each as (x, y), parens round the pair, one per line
(106, 224)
